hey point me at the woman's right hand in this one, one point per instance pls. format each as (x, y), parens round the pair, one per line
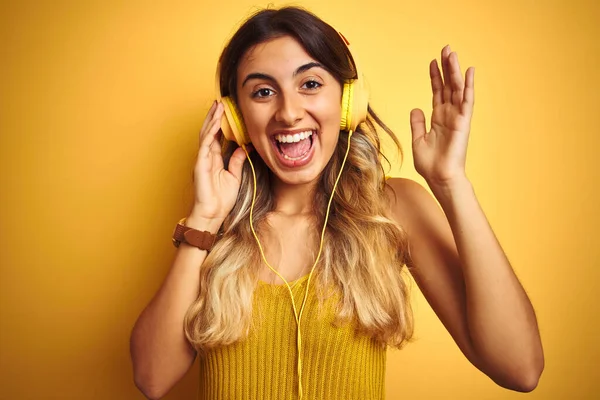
(216, 188)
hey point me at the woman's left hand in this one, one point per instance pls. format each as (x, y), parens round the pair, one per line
(440, 154)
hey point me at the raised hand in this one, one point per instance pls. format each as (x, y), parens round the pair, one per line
(440, 154)
(216, 188)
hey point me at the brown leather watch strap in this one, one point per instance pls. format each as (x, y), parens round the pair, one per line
(202, 239)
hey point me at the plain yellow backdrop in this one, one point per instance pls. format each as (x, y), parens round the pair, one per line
(101, 104)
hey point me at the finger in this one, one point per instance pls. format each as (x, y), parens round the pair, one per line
(437, 86)
(209, 137)
(469, 97)
(215, 115)
(446, 72)
(215, 145)
(456, 79)
(417, 124)
(208, 117)
(236, 162)
(216, 152)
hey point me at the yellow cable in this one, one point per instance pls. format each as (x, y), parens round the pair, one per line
(297, 315)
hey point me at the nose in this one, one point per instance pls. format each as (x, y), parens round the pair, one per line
(290, 110)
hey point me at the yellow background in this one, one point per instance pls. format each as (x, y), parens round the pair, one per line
(101, 103)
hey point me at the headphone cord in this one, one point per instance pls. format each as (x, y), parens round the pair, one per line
(298, 316)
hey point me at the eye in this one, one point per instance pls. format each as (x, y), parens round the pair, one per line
(311, 85)
(262, 93)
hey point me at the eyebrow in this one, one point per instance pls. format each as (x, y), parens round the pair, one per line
(299, 70)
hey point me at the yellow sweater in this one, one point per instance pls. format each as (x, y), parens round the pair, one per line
(337, 362)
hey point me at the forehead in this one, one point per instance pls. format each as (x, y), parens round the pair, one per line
(280, 56)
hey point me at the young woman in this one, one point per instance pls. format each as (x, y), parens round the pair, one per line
(299, 298)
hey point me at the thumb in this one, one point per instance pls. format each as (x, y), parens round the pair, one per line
(236, 162)
(417, 124)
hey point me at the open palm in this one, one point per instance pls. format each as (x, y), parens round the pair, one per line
(440, 154)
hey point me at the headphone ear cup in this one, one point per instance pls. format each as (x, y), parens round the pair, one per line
(359, 105)
(355, 103)
(232, 123)
(346, 106)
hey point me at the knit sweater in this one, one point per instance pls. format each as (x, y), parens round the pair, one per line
(338, 363)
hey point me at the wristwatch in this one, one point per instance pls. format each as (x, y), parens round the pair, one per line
(204, 240)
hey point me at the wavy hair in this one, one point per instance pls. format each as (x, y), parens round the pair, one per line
(364, 254)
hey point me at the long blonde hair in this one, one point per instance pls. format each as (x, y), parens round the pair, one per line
(364, 252)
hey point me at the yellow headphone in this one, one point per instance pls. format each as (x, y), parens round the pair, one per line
(355, 101)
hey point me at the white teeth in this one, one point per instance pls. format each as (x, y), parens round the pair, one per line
(293, 138)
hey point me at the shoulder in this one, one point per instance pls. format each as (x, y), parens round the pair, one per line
(411, 205)
(406, 188)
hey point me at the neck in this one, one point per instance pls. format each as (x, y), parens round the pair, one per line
(293, 199)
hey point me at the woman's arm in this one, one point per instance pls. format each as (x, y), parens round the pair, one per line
(457, 261)
(160, 351)
(468, 281)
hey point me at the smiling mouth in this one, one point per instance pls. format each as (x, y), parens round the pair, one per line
(294, 146)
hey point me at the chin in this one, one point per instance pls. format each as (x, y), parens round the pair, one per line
(298, 178)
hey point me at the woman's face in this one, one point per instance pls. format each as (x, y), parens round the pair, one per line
(291, 107)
